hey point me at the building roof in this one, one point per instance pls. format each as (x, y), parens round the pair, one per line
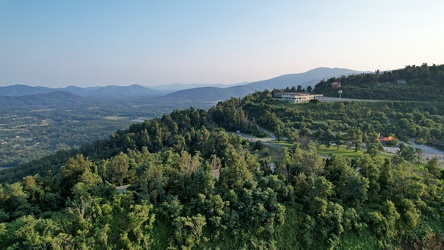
(294, 93)
(385, 139)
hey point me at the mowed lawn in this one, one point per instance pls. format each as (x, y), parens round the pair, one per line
(324, 151)
(349, 152)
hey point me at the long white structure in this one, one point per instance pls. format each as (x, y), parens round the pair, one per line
(296, 97)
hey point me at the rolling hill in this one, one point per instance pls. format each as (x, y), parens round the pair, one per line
(114, 91)
(55, 98)
(413, 83)
(213, 94)
(22, 90)
(170, 88)
(309, 78)
(106, 92)
(209, 94)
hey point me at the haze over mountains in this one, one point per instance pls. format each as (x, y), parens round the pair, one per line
(309, 78)
(111, 91)
(184, 92)
(55, 98)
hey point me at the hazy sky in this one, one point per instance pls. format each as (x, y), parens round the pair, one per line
(103, 42)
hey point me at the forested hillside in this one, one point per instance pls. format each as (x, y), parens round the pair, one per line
(422, 121)
(193, 185)
(419, 83)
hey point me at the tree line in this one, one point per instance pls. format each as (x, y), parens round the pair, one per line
(415, 83)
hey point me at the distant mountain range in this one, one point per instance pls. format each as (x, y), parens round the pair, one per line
(186, 93)
(212, 94)
(170, 88)
(22, 90)
(209, 94)
(309, 78)
(55, 98)
(111, 91)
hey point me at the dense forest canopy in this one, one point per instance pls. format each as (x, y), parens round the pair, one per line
(193, 185)
(419, 83)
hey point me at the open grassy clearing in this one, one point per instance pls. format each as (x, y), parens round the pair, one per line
(44, 123)
(282, 143)
(348, 152)
(11, 129)
(326, 151)
(115, 118)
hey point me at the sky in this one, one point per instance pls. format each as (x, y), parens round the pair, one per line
(58, 43)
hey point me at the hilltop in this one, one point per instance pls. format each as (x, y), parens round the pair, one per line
(309, 78)
(420, 83)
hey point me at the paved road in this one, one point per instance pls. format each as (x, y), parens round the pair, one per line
(337, 99)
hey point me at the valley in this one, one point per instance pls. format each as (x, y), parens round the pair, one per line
(34, 129)
(312, 175)
(73, 116)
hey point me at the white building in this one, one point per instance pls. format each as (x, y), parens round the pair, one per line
(296, 97)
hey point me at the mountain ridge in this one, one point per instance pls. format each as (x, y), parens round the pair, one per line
(214, 94)
(54, 98)
(198, 94)
(305, 79)
(110, 91)
(210, 94)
